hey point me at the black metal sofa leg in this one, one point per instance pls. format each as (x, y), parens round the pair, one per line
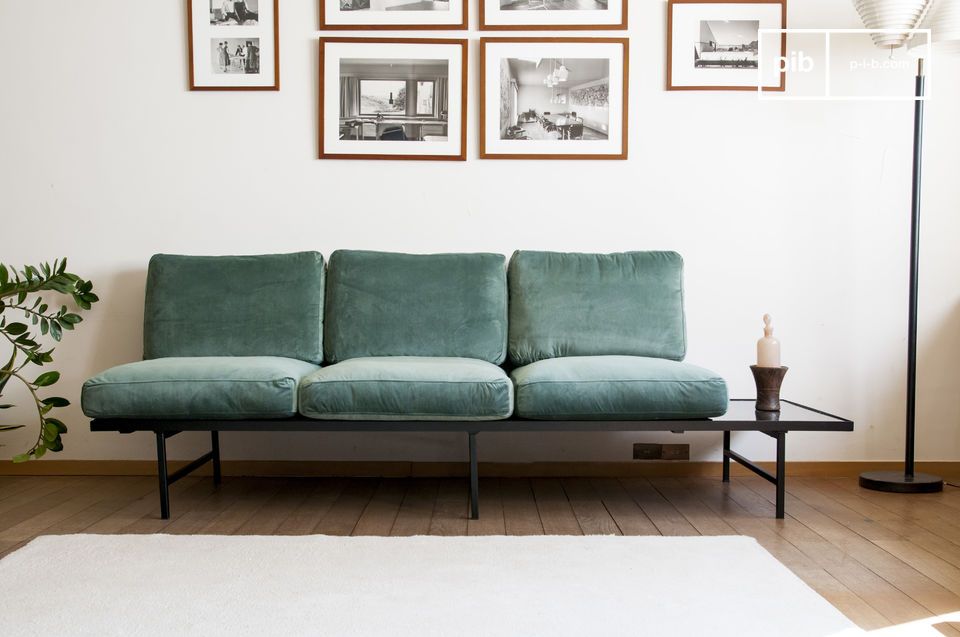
(162, 474)
(474, 479)
(166, 478)
(781, 473)
(215, 446)
(778, 479)
(726, 457)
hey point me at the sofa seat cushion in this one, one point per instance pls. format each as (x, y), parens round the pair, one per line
(213, 387)
(617, 388)
(408, 388)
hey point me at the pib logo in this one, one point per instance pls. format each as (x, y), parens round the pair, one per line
(796, 62)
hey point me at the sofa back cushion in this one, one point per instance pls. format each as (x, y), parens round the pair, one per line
(568, 304)
(265, 305)
(388, 304)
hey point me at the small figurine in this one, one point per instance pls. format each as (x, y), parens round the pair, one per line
(768, 348)
(768, 373)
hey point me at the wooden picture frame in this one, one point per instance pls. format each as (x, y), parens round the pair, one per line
(599, 131)
(212, 68)
(332, 20)
(673, 83)
(577, 20)
(413, 64)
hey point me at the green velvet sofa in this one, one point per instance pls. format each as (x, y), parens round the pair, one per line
(377, 341)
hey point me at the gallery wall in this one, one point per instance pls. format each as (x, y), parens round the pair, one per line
(799, 209)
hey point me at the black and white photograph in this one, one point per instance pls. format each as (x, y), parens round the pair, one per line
(234, 12)
(727, 44)
(393, 14)
(392, 98)
(553, 98)
(553, 5)
(553, 14)
(715, 45)
(235, 55)
(394, 5)
(234, 45)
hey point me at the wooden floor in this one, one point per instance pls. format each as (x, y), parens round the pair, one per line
(882, 559)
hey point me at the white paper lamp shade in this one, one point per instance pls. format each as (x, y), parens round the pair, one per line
(943, 20)
(892, 14)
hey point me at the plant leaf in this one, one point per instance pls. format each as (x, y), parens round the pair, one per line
(21, 457)
(47, 378)
(50, 432)
(56, 401)
(5, 374)
(15, 329)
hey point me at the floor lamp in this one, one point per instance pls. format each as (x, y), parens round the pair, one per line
(943, 18)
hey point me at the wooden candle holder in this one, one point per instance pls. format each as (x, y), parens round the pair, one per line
(768, 381)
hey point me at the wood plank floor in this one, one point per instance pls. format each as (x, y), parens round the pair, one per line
(882, 559)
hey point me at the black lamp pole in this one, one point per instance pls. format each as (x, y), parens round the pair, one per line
(909, 481)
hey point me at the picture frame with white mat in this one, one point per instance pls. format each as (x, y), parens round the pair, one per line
(393, 98)
(554, 98)
(393, 15)
(233, 45)
(714, 45)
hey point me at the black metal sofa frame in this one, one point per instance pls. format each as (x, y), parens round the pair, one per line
(776, 429)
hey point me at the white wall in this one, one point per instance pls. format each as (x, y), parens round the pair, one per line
(107, 158)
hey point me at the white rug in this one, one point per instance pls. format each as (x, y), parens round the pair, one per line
(318, 585)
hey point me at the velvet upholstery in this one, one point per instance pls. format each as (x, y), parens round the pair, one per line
(570, 304)
(388, 304)
(617, 388)
(215, 387)
(266, 305)
(408, 388)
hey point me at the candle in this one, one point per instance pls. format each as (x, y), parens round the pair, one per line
(768, 348)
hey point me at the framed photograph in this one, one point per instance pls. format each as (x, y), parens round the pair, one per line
(393, 15)
(553, 98)
(393, 98)
(552, 15)
(714, 45)
(234, 45)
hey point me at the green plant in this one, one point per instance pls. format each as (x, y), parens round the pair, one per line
(16, 288)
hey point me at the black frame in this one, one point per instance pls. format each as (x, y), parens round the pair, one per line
(164, 429)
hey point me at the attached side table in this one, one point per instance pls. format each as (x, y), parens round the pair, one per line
(742, 416)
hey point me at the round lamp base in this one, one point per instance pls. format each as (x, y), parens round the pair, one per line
(898, 482)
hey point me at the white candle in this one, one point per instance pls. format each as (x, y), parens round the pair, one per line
(768, 348)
